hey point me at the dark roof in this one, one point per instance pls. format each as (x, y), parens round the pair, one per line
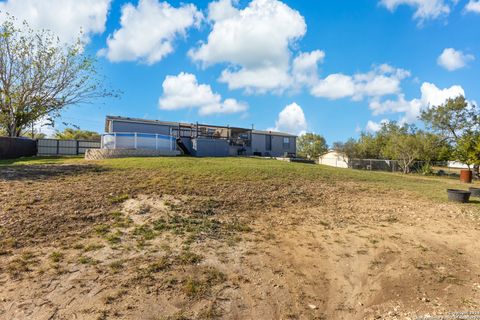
(170, 123)
(274, 133)
(127, 119)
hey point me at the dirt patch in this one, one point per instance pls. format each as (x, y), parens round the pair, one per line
(42, 172)
(143, 208)
(152, 245)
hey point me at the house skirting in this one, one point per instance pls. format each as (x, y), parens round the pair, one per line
(99, 154)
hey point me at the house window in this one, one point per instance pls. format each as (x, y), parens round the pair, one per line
(286, 143)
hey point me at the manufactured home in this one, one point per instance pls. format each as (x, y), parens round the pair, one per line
(195, 139)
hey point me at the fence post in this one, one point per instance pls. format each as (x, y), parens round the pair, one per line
(78, 145)
(58, 147)
(135, 141)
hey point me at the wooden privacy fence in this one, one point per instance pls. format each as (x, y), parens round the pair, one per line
(52, 147)
(11, 148)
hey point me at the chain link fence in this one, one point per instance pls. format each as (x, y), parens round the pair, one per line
(442, 168)
(383, 165)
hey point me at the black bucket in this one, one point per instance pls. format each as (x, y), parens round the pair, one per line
(475, 192)
(458, 195)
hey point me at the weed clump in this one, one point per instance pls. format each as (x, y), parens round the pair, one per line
(200, 285)
(118, 198)
(56, 256)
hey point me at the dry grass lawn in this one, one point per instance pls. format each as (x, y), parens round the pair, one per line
(185, 238)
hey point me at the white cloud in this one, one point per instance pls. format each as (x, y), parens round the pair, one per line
(256, 80)
(291, 120)
(305, 67)
(473, 6)
(425, 9)
(375, 126)
(254, 42)
(148, 31)
(335, 86)
(381, 81)
(65, 18)
(183, 91)
(431, 95)
(452, 59)
(221, 10)
(410, 108)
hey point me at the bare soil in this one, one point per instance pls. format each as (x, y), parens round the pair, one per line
(89, 242)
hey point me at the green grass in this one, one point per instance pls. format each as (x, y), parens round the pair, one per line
(254, 170)
(188, 171)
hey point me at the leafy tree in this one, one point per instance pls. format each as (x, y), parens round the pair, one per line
(452, 118)
(39, 77)
(434, 147)
(402, 143)
(39, 135)
(458, 122)
(468, 148)
(407, 144)
(348, 149)
(367, 146)
(77, 134)
(311, 145)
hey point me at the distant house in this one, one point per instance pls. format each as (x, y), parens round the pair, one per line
(196, 139)
(334, 159)
(457, 165)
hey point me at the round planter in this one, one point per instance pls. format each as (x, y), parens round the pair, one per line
(461, 196)
(466, 176)
(475, 192)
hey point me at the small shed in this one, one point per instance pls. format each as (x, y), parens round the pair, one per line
(457, 165)
(334, 159)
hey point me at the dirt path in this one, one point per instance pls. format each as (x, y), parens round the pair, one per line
(394, 269)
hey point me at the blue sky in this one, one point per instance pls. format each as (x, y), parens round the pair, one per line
(327, 66)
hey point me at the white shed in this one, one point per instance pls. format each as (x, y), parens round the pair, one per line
(334, 159)
(457, 165)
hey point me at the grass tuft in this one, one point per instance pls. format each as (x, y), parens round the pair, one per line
(56, 256)
(118, 198)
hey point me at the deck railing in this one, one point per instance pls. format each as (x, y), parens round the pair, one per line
(136, 140)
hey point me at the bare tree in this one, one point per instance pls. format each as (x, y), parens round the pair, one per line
(40, 76)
